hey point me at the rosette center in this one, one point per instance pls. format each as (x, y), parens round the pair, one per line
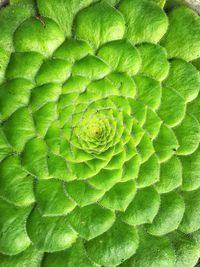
(95, 131)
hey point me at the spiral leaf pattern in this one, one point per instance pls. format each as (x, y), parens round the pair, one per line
(99, 134)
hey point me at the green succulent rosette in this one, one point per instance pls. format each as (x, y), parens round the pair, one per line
(99, 134)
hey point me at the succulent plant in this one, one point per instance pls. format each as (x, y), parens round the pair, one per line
(99, 134)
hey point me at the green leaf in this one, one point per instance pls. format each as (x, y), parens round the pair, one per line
(122, 56)
(123, 240)
(63, 12)
(109, 24)
(88, 169)
(15, 184)
(182, 40)
(13, 95)
(53, 71)
(191, 171)
(186, 250)
(152, 123)
(4, 59)
(49, 234)
(191, 219)
(34, 158)
(146, 21)
(131, 168)
(19, 128)
(91, 221)
(130, 149)
(116, 161)
(143, 208)
(172, 108)
(73, 256)
(44, 117)
(165, 144)
(83, 193)
(24, 65)
(154, 61)
(42, 94)
(193, 108)
(62, 170)
(72, 50)
(138, 110)
(188, 135)
(5, 148)
(149, 91)
(196, 63)
(149, 172)
(29, 257)
(170, 175)
(145, 148)
(153, 251)
(184, 78)
(105, 179)
(196, 237)
(52, 137)
(51, 198)
(119, 196)
(13, 238)
(161, 3)
(10, 18)
(97, 90)
(43, 38)
(169, 215)
(126, 87)
(90, 67)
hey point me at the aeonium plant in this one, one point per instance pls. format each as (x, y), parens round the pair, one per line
(99, 134)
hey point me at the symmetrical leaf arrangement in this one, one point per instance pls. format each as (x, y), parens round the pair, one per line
(99, 134)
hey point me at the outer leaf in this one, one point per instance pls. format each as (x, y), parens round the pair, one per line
(29, 257)
(19, 128)
(121, 56)
(123, 240)
(44, 38)
(51, 199)
(73, 256)
(91, 221)
(184, 78)
(83, 193)
(109, 24)
(49, 234)
(149, 91)
(172, 108)
(142, 210)
(13, 237)
(154, 61)
(158, 247)
(23, 65)
(187, 251)
(16, 185)
(34, 158)
(182, 40)
(63, 12)
(191, 171)
(119, 196)
(170, 175)
(149, 172)
(169, 215)
(10, 18)
(142, 16)
(188, 135)
(166, 143)
(191, 219)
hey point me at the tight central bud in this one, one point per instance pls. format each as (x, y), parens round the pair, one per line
(95, 131)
